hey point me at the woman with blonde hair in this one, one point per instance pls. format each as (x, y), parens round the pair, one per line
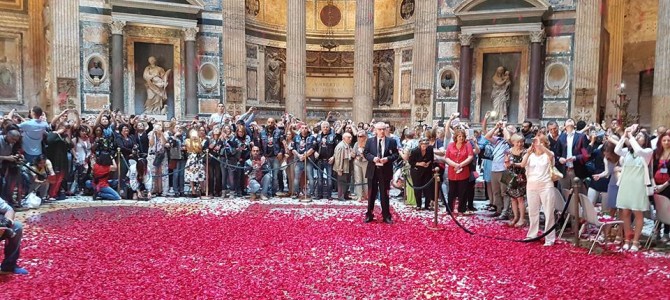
(516, 189)
(158, 159)
(195, 171)
(537, 162)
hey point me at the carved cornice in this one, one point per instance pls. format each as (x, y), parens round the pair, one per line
(537, 36)
(466, 39)
(117, 26)
(190, 33)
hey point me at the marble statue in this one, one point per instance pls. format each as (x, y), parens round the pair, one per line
(385, 86)
(156, 81)
(500, 94)
(96, 72)
(273, 72)
(448, 81)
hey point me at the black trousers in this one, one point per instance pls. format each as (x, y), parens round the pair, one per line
(379, 183)
(458, 189)
(419, 179)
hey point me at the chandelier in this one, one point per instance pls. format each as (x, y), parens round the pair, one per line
(330, 16)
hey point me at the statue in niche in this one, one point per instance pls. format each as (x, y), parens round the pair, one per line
(273, 72)
(448, 81)
(500, 94)
(96, 72)
(385, 84)
(156, 81)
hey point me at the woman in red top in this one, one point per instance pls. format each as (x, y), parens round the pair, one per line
(661, 164)
(103, 166)
(458, 157)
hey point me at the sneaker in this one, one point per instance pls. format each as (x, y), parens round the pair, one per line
(263, 197)
(17, 271)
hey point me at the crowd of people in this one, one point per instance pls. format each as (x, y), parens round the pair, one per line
(115, 156)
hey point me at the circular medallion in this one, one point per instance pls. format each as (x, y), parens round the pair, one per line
(407, 9)
(330, 15)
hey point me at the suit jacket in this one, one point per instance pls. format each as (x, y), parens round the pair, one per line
(390, 152)
(579, 151)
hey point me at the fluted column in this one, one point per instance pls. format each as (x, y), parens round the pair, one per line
(661, 94)
(234, 47)
(296, 58)
(116, 63)
(465, 76)
(190, 76)
(616, 10)
(363, 60)
(535, 79)
(587, 58)
(423, 60)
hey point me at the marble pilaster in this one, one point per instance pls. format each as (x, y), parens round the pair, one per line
(535, 87)
(587, 59)
(424, 58)
(190, 75)
(116, 65)
(616, 10)
(661, 93)
(296, 58)
(465, 76)
(234, 46)
(363, 61)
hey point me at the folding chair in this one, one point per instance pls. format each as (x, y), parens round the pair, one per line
(591, 217)
(559, 207)
(662, 205)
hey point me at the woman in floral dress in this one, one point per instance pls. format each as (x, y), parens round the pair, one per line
(195, 170)
(517, 190)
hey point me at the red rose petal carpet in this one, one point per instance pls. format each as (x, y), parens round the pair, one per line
(270, 252)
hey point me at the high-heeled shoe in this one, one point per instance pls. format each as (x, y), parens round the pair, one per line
(635, 247)
(626, 245)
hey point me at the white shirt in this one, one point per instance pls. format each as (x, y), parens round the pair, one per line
(537, 172)
(570, 139)
(381, 153)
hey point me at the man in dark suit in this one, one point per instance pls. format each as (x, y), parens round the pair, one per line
(380, 152)
(572, 155)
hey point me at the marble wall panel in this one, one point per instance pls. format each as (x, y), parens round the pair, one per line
(216, 61)
(555, 109)
(559, 45)
(208, 44)
(448, 50)
(405, 86)
(252, 83)
(207, 105)
(95, 102)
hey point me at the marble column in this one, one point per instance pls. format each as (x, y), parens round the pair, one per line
(190, 75)
(661, 94)
(234, 47)
(616, 10)
(363, 60)
(116, 64)
(296, 58)
(465, 76)
(535, 79)
(587, 60)
(423, 56)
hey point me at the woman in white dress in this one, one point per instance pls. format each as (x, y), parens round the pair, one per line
(538, 161)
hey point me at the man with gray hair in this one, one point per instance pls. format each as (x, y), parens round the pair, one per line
(342, 157)
(380, 152)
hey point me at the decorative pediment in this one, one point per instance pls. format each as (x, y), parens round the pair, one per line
(167, 13)
(473, 10)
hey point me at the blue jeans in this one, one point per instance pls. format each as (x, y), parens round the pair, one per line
(274, 164)
(264, 186)
(299, 168)
(12, 247)
(178, 176)
(106, 193)
(227, 174)
(324, 186)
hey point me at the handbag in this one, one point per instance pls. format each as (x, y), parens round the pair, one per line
(508, 178)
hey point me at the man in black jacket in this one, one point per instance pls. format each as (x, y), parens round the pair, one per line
(380, 152)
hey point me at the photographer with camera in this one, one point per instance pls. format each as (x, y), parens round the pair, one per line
(12, 232)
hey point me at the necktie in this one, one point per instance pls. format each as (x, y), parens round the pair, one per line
(379, 149)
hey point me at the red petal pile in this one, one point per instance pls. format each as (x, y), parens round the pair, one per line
(101, 253)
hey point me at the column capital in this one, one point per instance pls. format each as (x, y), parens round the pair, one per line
(117, 26)
(537, 36)
(190, 33)
(466, 39)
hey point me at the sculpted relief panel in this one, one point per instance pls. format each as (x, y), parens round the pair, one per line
(275, 67)
(384, 65)
(10, 68)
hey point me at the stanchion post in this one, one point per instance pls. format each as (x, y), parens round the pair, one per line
(206, 183)
(574, 208)
(118, 170)
(436, 182)
(305, 196)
